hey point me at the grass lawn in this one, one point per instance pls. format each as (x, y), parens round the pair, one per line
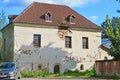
(69, 74)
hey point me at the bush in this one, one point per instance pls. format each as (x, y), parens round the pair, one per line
(33, 74)
(77, 73)
(68, 74)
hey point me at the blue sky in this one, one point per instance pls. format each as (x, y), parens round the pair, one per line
(94, 10)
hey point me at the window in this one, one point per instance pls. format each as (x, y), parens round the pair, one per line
(39, 67)
(105, 58)
(81, 67)
(48, 17)
(68, 42)
(72, 20)
(37, 40)
(57, 68)
(85, 42)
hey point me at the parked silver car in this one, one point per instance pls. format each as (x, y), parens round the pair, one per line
(8, 70)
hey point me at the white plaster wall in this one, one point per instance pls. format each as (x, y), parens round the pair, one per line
(53, 51)
(104, 54)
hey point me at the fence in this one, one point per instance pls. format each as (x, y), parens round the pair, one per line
(107, 67)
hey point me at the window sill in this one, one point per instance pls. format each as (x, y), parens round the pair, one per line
(37, 47)
(47, 21)
(72, 23)
(68, 48)
(85, 48)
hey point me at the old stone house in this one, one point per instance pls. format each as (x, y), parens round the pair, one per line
(51, 36)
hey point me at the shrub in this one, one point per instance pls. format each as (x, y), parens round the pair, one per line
(69, 73)
(33, 74)
(77, 73)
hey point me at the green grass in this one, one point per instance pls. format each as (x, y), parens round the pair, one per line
(87, 73)
(33, 74)
(69, 74)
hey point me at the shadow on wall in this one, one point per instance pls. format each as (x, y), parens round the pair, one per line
(48, 56)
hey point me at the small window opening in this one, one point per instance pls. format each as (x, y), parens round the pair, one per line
(81, 67)
(105, 58)
(39, 67)
(48, 17)
(72, 20)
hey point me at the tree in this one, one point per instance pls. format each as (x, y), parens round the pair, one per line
(2, 24)
(103, 25)
(2, 19)
(112, 32)
(119, 2)
(115, 22)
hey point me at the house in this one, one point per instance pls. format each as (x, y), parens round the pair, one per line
(53, 37)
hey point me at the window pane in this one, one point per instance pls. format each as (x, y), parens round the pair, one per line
(72, 19)
(68, 42)
(48, 17)
(85, 42)
(37, 40)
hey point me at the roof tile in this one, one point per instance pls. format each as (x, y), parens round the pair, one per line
(34, 14)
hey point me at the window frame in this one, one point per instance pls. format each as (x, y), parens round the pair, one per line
(48, 17)
(37, 40)
(85, 43)
(72, 19)
(81, 67)
(68, 43)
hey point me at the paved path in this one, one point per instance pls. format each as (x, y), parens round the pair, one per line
(60, 79)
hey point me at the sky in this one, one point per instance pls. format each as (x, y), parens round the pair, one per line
(94, 10)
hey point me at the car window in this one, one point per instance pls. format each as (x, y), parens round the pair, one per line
(7, 65)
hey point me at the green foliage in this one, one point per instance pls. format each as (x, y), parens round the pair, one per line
(109, 29)
(118, 0)
(33, 74)
(113, 34)
(0, 49)
(2, 24)
(63, 21)
(113, 77)
(69, 74)
(76, 73)
(112, 23)
(2, 19)
(103, 25)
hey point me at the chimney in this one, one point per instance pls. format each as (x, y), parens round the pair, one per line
(11, 18)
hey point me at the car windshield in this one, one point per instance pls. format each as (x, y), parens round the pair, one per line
(7, 65)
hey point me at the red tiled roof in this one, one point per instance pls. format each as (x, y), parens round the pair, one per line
(34, 14)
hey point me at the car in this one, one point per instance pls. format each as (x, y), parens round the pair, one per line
(9, 70)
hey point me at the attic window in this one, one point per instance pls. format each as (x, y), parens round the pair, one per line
(48, 17)
(72, 19)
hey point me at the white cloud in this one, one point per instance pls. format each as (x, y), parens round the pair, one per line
(6, 1)
(93, 18)
(71, 3)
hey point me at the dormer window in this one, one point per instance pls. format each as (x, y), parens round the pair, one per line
(72, 19)
(48, 17)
